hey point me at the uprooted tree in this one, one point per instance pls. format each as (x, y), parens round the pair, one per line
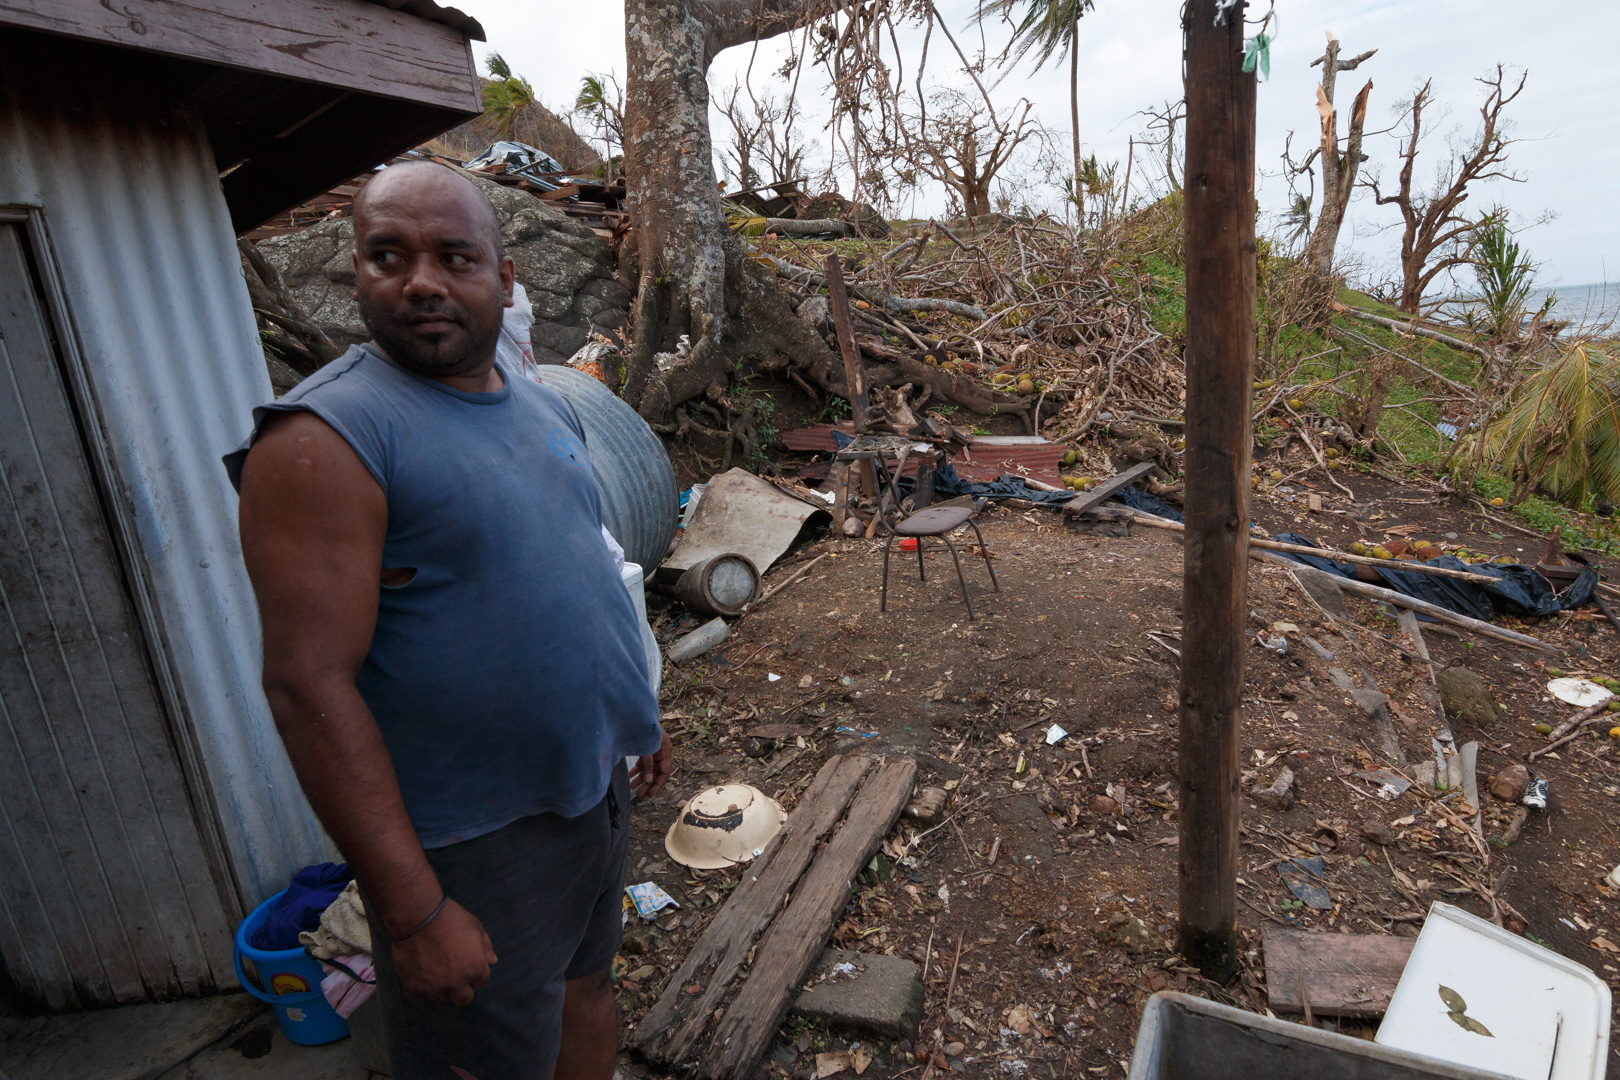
(694, 279)
(1437, 232)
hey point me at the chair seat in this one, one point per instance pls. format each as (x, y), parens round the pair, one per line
(934, 521)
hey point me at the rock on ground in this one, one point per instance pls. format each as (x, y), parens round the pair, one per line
(1465, 696)
(565, 267)
(868, 992)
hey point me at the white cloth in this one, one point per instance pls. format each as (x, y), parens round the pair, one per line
(343, 930)
(514, 349)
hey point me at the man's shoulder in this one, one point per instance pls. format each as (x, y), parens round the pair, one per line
(357, 367)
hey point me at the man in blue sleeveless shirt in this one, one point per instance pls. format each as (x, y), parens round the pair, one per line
(452, 662)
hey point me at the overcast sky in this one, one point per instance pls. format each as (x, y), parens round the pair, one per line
(1568, 115)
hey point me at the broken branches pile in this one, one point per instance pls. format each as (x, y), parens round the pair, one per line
(1044, 321)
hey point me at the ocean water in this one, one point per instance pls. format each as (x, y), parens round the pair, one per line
(1586, 307)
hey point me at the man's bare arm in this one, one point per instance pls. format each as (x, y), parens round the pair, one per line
(313, 521)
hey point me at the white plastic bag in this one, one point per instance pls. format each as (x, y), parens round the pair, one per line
(513, 349)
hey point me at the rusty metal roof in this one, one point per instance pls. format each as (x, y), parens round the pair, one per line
(989, 458)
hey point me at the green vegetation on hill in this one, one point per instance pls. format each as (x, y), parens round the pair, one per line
(1333, 367)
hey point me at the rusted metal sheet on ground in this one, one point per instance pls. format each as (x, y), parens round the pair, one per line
(741, 514)
(1030, 457)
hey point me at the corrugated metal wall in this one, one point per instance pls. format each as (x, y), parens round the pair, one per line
(142, 237)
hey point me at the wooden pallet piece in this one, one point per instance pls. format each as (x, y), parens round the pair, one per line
(795, 940)
(1342, 974)
(1081, 503)
(669, 1031)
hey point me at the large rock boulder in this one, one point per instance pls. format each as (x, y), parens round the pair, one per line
(566, 268)
(1466, 697)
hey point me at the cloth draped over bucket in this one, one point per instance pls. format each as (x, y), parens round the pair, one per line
(310, 892)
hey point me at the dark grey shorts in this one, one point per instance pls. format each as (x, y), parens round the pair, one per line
(549, 893)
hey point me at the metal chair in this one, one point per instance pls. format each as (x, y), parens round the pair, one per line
(938, 521)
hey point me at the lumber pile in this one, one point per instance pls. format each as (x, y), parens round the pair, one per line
(722, 1007)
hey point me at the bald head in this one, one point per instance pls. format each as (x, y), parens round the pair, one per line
(430, 271)
(421, 179)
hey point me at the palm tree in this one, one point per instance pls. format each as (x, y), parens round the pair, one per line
(1561, 430)
(601, 99)
(505, 96)
(1049, 28)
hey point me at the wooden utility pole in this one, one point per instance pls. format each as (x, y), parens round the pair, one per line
(1220, 207)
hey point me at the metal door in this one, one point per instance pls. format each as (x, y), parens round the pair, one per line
(106, 893)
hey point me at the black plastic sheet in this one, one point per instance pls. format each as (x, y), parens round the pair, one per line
(1518, 590)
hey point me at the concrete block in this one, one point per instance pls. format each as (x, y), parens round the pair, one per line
(868, 992)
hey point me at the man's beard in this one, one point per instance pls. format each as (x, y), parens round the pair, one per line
(462, 349)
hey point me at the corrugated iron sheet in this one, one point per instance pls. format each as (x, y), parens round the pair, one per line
(161, 322)
(631, 466)
(985, 461)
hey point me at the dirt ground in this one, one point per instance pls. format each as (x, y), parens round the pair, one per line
(1055, 905)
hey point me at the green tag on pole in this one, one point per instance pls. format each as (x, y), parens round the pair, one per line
(1258, 49)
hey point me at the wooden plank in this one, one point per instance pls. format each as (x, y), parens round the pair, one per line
(350, 44)
(1339, 556)
(1220, 266)
(796, 938)
(1423, 607)
(1342, 974)
(675, 1022)
(562, 193)
(1081, 503)
(840, 494)
(854, 381)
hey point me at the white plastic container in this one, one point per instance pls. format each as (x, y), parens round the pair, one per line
(631, 574)
(1548, 1017)
(1187, 1038)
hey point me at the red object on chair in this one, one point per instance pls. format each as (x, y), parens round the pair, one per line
(936, 521)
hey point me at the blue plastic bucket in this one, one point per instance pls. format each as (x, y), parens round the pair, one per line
(293, 981)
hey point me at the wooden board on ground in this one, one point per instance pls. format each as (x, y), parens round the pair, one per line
(1342, 974)
(795, 862)
(1085, 501)
(796, 937)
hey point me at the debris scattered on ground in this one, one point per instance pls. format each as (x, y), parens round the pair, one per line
(699, 641)
(648, 899)
(1303, 877)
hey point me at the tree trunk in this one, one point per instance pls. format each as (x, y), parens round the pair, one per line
(1336, 192)
(1074, 119)
(693, 276)
(1338, 169)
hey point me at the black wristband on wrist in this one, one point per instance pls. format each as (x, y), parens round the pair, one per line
(424, 924)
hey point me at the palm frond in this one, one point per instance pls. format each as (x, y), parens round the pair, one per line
(1562, 430)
